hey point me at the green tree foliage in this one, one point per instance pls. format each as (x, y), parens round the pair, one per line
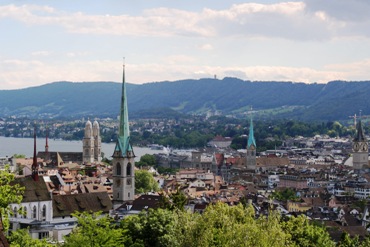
(21, 238)
(304, 233)
(175, 201)
(285, 195)
(19, 156)
(9, 193)
(94, 230)
(145, 182)
(146, 160)
(154, 228)
(222, 225)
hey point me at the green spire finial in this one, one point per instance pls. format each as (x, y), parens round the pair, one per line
(251, 139)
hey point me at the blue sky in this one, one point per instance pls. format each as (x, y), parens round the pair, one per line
(303, 41)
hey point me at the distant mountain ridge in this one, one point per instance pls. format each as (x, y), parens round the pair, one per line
(332, 101)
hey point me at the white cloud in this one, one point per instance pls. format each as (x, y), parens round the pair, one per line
(20, 74)
(306, 20)
(206, 47)
(41, 53)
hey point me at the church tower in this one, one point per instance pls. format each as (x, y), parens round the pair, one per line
(35, 166)
(88, 144)
(251, 149)
(360, 149)
(123, 157)
(97, 141)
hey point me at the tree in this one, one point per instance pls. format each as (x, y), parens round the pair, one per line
(285, 195)
(146, 160)
(21, 237)
(152, 228)
(94, 230)
(145, 182)
(306, 234)
(175, 201)
(19, 156)
(9, 193)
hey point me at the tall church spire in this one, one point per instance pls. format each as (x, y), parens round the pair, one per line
(35, 172)
(251, 139)
(46, 144)
(359, 133)
(251, 148)
(123, 157)
(124, 127)
(123, 143)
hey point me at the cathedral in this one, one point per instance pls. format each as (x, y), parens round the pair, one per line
(91, 143)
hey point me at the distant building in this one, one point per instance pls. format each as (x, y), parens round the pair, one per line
(360, 150)
(220, 142)
(91, 143)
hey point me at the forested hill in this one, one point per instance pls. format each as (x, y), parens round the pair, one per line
(332, 101)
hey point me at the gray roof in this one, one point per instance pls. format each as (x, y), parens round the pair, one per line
(34, 190)
(65, 205)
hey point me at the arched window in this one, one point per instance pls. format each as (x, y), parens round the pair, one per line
(15, 211)
(25, 212)
(44, 212)
(34, 213)
(118, 169)
(128, 169)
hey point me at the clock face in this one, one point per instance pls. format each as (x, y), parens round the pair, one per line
(252, 147)
(118, 182)
(128, 181)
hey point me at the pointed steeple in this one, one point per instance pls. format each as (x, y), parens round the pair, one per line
(251, 139)
(46, 144)
(360, 136)
(123, 141)
(35, 172)
(124, 125)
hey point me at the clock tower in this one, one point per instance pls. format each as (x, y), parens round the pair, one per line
(123, 157)
(360, 149)
(251, 149)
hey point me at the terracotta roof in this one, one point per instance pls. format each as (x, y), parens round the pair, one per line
(34, 190)
(65, 205)
(272, 161)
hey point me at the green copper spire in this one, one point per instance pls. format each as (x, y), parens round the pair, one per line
(123, 123)
(123, 143)
(251, 139)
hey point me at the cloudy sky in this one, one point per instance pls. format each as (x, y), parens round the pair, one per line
(85, 40)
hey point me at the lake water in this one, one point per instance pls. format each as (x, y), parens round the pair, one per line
(10, 146)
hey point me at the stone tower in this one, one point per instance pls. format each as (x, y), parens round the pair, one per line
(88, 144)
(360, 149)
(251, 149)
(97, 141)
(123, 157)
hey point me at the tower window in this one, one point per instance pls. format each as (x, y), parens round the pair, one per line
(118, 169)
(128, 169)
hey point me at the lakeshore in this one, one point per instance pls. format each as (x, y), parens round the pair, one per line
(11, 145)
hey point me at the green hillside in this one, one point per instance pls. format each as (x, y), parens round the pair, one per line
(331, 101)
